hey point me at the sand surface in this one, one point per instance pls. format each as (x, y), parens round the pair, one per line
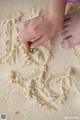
(41, 85)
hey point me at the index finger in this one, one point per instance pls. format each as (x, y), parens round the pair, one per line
(25, 46)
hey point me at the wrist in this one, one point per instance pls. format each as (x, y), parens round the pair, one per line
(58, 17)
(57, 9)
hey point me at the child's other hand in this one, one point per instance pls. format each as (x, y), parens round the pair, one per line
(39, 29)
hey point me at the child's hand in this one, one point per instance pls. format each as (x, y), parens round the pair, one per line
(39, 29)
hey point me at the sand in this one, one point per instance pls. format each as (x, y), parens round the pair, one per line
(41, 85)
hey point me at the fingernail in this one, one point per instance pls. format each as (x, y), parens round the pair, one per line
(32, 46)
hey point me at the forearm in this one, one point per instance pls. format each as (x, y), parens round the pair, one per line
(57, 7)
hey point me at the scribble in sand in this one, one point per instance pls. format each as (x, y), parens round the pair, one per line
(11, 43)
(48, 91)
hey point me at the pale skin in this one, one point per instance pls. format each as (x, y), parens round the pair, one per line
(70, 34)
(43, 27)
